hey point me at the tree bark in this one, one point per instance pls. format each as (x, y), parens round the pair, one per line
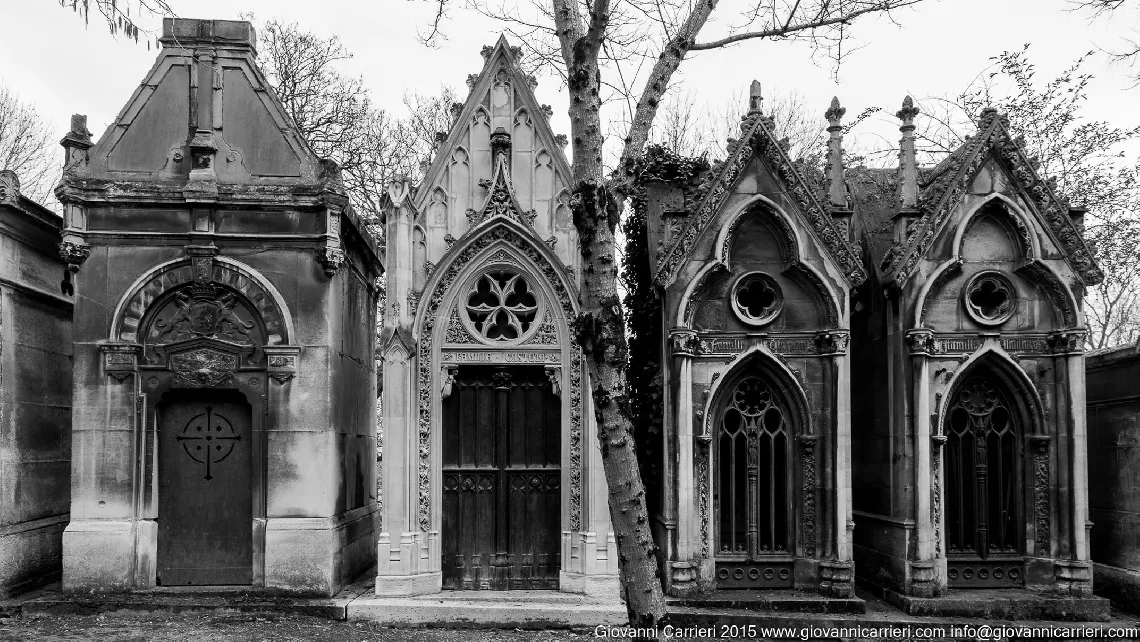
(600, 326)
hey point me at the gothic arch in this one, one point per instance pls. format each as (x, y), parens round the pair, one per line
(791, 252)
(222, 270)
(993, 359)
(429, 327)
(801, 469)
(1011, 215)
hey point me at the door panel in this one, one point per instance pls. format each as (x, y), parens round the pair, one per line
(501, 480)
(205, 509)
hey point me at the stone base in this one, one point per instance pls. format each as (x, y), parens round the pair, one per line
(409, 585)
(30, 554)
(318, 555)
(602, 588)
(99, 555)
(496, 609)
(1120, 585)
(771, 600)
(1003, 604)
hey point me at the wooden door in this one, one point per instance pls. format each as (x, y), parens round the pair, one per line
(205, 507)
(501, 480)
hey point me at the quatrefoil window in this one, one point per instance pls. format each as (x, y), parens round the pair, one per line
(502, 306)
(990, 298)
(757, 298)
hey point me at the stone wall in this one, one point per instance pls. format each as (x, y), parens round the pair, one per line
(1114, 488)
(35, 395)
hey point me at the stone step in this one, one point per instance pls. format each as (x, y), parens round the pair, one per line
(489, 609)
(787, 601)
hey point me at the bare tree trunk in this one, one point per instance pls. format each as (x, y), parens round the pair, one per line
(600, 327)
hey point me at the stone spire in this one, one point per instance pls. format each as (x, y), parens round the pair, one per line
(755, 99)
(907, 173)
(908, 165)
(837, 187)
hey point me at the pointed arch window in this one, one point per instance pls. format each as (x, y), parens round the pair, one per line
(752, 484)
(983, 472)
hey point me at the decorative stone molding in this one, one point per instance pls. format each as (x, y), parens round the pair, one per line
(120, 360)
(203, 368)
(807, 460)
(444, 283)
(759, 141)
(936, 443)
(1042, 527)
(704, 493)
(756, 299)
(74, 254)
(554, 374)
(282, 362)
(447, 376)
(9, 187)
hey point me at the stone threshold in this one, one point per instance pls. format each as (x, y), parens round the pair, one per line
(1004, 604)
(771, 600)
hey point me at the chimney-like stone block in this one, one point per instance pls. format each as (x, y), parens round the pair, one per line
(189, 33)
(665, 213)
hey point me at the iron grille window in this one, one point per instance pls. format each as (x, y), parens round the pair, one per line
(752, 480)
(983, 513)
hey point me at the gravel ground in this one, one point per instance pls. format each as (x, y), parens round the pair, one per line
(251, 628)
(246, 628)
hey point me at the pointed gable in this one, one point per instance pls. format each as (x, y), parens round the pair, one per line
(759, 144)
(500, 152)
(204, 101)
(945, 185)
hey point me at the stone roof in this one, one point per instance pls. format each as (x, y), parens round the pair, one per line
(943, 186)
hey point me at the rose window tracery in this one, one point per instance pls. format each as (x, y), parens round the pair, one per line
(990, 298)
(502, 307)
(757, 298)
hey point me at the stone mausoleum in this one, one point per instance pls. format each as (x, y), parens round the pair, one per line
(223, 414)
(197, 339)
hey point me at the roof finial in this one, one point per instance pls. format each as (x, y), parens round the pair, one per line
(834, 114)
(908, 162)
(837, 185)
(755, 99)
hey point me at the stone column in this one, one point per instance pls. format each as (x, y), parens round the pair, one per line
(837, 571)
(1074, 569)
(925, 576)
(684, 571)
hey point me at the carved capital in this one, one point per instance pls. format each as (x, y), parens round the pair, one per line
(684, 343)
(832, 341)
(9, 187)
(1067, 342)
(921, 342)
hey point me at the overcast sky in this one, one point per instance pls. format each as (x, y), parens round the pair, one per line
(50, 58)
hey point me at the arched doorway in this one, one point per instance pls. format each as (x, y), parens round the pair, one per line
(985, 505)
(753, 488)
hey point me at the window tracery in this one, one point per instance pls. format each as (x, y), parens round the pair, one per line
(502, 307)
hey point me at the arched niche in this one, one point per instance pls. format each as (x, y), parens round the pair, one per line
(224, 273)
